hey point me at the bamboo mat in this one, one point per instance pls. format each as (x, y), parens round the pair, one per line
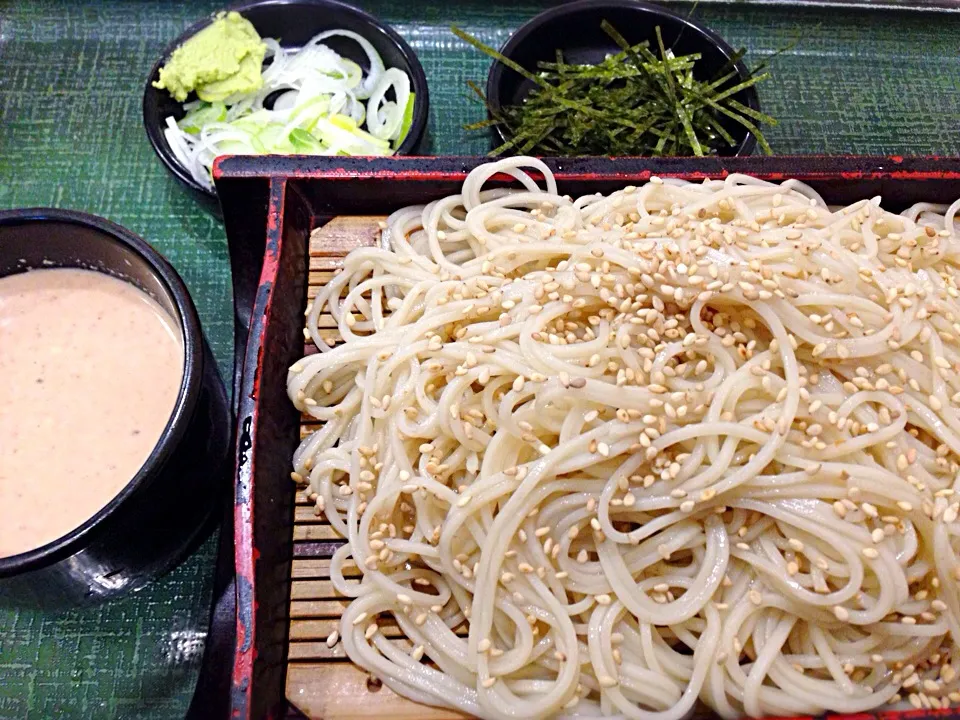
(321, 681)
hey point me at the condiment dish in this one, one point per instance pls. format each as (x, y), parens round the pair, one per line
(574, 29)
(292, 23)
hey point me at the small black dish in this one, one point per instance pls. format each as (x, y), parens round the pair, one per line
(164, 509)
(574, 28)
(292, 23)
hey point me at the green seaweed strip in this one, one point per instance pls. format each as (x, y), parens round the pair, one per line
(688, 129)
(739, 86)
(750, 112)
(486, 49)
(761, 140)
(719, 130)
(481, 124)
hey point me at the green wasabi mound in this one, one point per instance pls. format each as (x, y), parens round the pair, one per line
(223, 59)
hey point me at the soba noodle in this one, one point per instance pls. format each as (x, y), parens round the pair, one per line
(614, 455)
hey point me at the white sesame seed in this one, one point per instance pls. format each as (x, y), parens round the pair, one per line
(606, 681)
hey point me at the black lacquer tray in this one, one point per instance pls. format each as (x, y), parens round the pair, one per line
(279, 664)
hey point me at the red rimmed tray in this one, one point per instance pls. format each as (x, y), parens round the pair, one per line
(271, 206)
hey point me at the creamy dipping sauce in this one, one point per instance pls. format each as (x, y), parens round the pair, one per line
(90, 371)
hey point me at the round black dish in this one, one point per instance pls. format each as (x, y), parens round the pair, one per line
(574, 28)
(292, 23)
(156, 518)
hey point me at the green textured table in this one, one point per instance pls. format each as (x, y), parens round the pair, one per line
(70, 136)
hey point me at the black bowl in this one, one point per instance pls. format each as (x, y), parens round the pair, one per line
(574, 28)
(292, 23)
(163, 510)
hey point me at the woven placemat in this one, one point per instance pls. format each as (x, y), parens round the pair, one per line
(71, 78)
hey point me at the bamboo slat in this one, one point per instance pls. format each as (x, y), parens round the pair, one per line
(337, 689)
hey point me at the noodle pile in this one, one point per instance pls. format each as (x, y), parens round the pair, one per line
(615, 455)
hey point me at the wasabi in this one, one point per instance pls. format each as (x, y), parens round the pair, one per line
(223, 59)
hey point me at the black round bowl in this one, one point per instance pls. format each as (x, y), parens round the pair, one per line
(292, 23)
(163, 510)
(574, 28)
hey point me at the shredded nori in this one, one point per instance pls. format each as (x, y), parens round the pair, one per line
(640, 101)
